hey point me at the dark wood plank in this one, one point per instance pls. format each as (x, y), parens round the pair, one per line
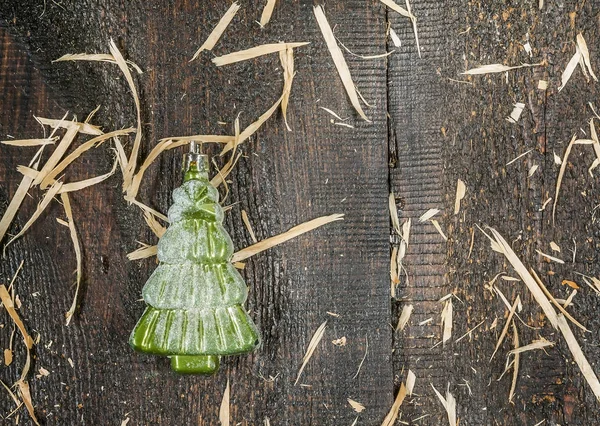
(445, 130)
(286, 178)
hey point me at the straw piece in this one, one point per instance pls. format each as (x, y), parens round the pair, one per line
(286, 57)
(449, 404)
(391, 417)
(312, 345)
(447, 321)
(100, 57)
(517, 355)
(516, 112)
(395, 39)
(224, 408)
(504, 248)
(394, 213)
(56, 157)
(461, 190)
(248, 226)
(14, 205)
(404, 317)
(218, 31)
(30, 142)
(437, 226)
(82, 184)
(265, 17)
(149, 209)
(566, 75)
(143, 252)
(549, 257)
(84, 128)
(381, 55)
(362, 361)
(413, 20)
(254, 52)
(356, 406)
(428, 215)
(561, 174)
(52, 191)
(496, 68)
(153, 224)
(26, 397)
(579, 357)
(281, 238)
(338, 60)
(585, 55)
(537, 344)
(410, 382)
(397, 8)
(67, 206)
(10, 308)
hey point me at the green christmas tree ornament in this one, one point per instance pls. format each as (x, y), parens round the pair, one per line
(195, 297)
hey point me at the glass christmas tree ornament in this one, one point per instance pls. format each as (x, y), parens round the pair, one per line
(195, 297)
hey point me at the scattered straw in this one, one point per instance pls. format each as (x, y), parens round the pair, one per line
(517, 355)
(561, 174)
(218, 31)
(286, 57)
(496, 68)
(52, 191)
(580, 359)
(428, 215)
(447, 321)
(410, 382)
(30, 142)
(499, 244)
(281, 238)
(67, 206)
(254, 52)
(265, 17)
(461, 190)
(404, 317)
(338, 60)
(356, 406)
(248, 226)
(391, 417)
(314, 342)
(224, 409)
(449, 404)
(362, 361)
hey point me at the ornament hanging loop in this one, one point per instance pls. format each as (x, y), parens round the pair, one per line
(195, 164)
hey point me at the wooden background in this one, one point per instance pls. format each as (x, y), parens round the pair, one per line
(427, 131)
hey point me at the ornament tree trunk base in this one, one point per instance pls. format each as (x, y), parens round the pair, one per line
(195, 364)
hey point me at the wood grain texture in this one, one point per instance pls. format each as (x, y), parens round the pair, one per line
(284, 179)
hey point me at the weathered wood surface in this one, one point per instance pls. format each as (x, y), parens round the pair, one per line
(427, 132)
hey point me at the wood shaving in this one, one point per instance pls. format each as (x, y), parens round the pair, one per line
(248, 226)
(579, 357)
(561, 174)
(77, 247)
(286, 57)
(585, 55)
(52, 191)
(255, 52)
(338, 60)
(410, 382)
(449, 404)
(30, 142)
(404, 317)
(461, 190)
(437, 226)
(312, 345)
(224, 408)
(447, 321)
(265, 17)
(218, 31)
(568, 72)
(390, 419)
(552, 258)
(537, 344)
(515, 115)
(356, 406)
(428, 215)
(517, 354)
(281, 238)
(496, 68)
(504, 248)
